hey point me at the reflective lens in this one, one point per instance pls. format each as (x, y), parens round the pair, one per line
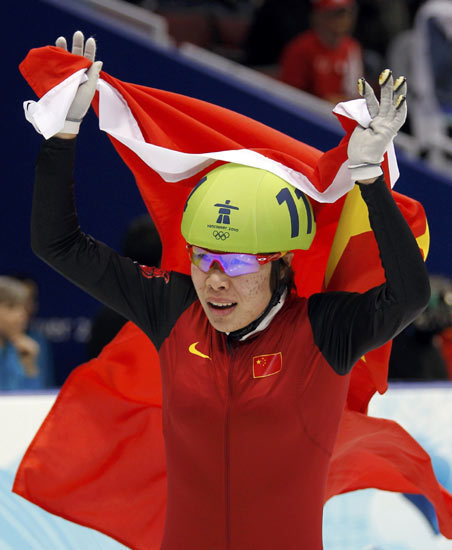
(231, 263)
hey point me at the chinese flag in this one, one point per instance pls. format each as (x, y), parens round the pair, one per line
(101, 445)
(266, 365)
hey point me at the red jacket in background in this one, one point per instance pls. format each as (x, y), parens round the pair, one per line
(309, 64)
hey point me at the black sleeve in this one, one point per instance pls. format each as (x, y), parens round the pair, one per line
(348, 325)
(152, 299)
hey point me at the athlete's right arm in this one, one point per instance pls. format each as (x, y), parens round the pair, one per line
(154, 304)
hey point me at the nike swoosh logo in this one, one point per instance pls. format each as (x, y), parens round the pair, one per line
(192, 349)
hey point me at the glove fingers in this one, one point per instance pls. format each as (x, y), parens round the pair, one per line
(400, 87)
(401, 111)
(89, 87)
(90, 49)
(400, 91)
(77, 43)
(369, 95)
(387, 84)
(60, 42)
(93, 72)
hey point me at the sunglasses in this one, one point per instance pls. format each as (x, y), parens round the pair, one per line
(231, 263)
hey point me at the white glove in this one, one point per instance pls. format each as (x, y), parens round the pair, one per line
(368, 145)
(86, 90)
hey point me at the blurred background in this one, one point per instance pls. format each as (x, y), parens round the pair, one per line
(234, 54)
(282, 62)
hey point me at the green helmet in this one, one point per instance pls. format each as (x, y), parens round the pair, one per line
(236, 208)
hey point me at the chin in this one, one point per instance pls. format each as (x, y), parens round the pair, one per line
(223, 326)
(226, 325)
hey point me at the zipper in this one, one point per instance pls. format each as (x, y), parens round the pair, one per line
(227, 445)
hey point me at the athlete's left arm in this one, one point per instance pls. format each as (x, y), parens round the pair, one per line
(347, 325)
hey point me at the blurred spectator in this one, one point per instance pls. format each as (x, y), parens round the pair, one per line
(273, 25)
(176, 4)
(325, 61)
(219, 26)
(379, 22)
(142, 244)
(19, 368)
(45, 356)
(418, 352)
(431, 82)
(445, 339)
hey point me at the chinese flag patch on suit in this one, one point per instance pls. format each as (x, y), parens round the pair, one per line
(266, 365)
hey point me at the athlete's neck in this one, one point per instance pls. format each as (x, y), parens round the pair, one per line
(276, 302)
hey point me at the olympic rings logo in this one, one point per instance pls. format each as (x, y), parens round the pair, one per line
(220, 235)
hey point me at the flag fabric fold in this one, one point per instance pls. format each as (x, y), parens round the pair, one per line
(360, 460)
(101, 447)
(169, 141)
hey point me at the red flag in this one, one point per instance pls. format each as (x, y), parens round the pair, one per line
(374, 452)
(101, 446)
(87, 475)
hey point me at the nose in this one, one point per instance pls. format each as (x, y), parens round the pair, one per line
(217, 278)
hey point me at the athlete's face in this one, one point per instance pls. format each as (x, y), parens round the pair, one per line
(231, 303)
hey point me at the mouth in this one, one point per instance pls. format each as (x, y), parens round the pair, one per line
(221, 308)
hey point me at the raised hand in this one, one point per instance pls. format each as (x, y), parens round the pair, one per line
(368, 145)
(87, 89)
